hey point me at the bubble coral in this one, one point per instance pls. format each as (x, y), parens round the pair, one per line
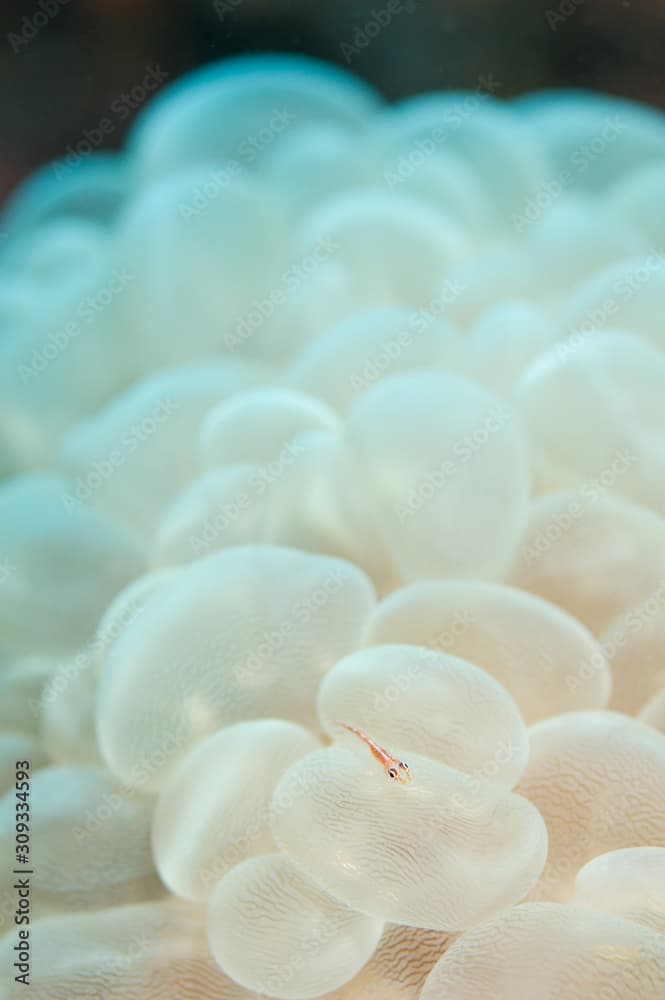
(332, 547)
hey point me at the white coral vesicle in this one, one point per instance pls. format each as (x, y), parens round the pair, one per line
(274, 931)
(439, 852)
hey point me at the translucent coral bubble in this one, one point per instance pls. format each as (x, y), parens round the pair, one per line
(92, 188)
(577, 236)
(17, 300)
(423, 448)
(488, 137)
(123, 609)
(534, 650)
(635, 643)
(352, 355)
(258, 426)
(595, 556)
(21, 685)
(245, 633)
(48, 252)
(610, 429)
(399, 966)
(199, 832)
(492, 274)
(551, 952)
(67, 717)
(593, 138)
(236, 109)
(302, 502)
(505, 339)
(441, 180)
(653, 713)
(294, 500)
(628, 883)
(361, 240)
(132, 457)
(439, 851)
(431, 702)
(122, 953)
(62, 565)
(317, 162)
(290, 499)
(91, 837)
(58, 361)
(221, 508)
(274, 931)
(203, 247)
(598, 779)
(640, 198)
(626, 295)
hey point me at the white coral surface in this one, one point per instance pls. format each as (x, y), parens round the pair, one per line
(315, 413)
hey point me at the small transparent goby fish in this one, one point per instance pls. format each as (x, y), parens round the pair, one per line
(397, 770)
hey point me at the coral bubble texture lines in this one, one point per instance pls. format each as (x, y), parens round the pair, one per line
(332, 549)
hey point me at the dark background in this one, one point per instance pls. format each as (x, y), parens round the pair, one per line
(65, 78)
